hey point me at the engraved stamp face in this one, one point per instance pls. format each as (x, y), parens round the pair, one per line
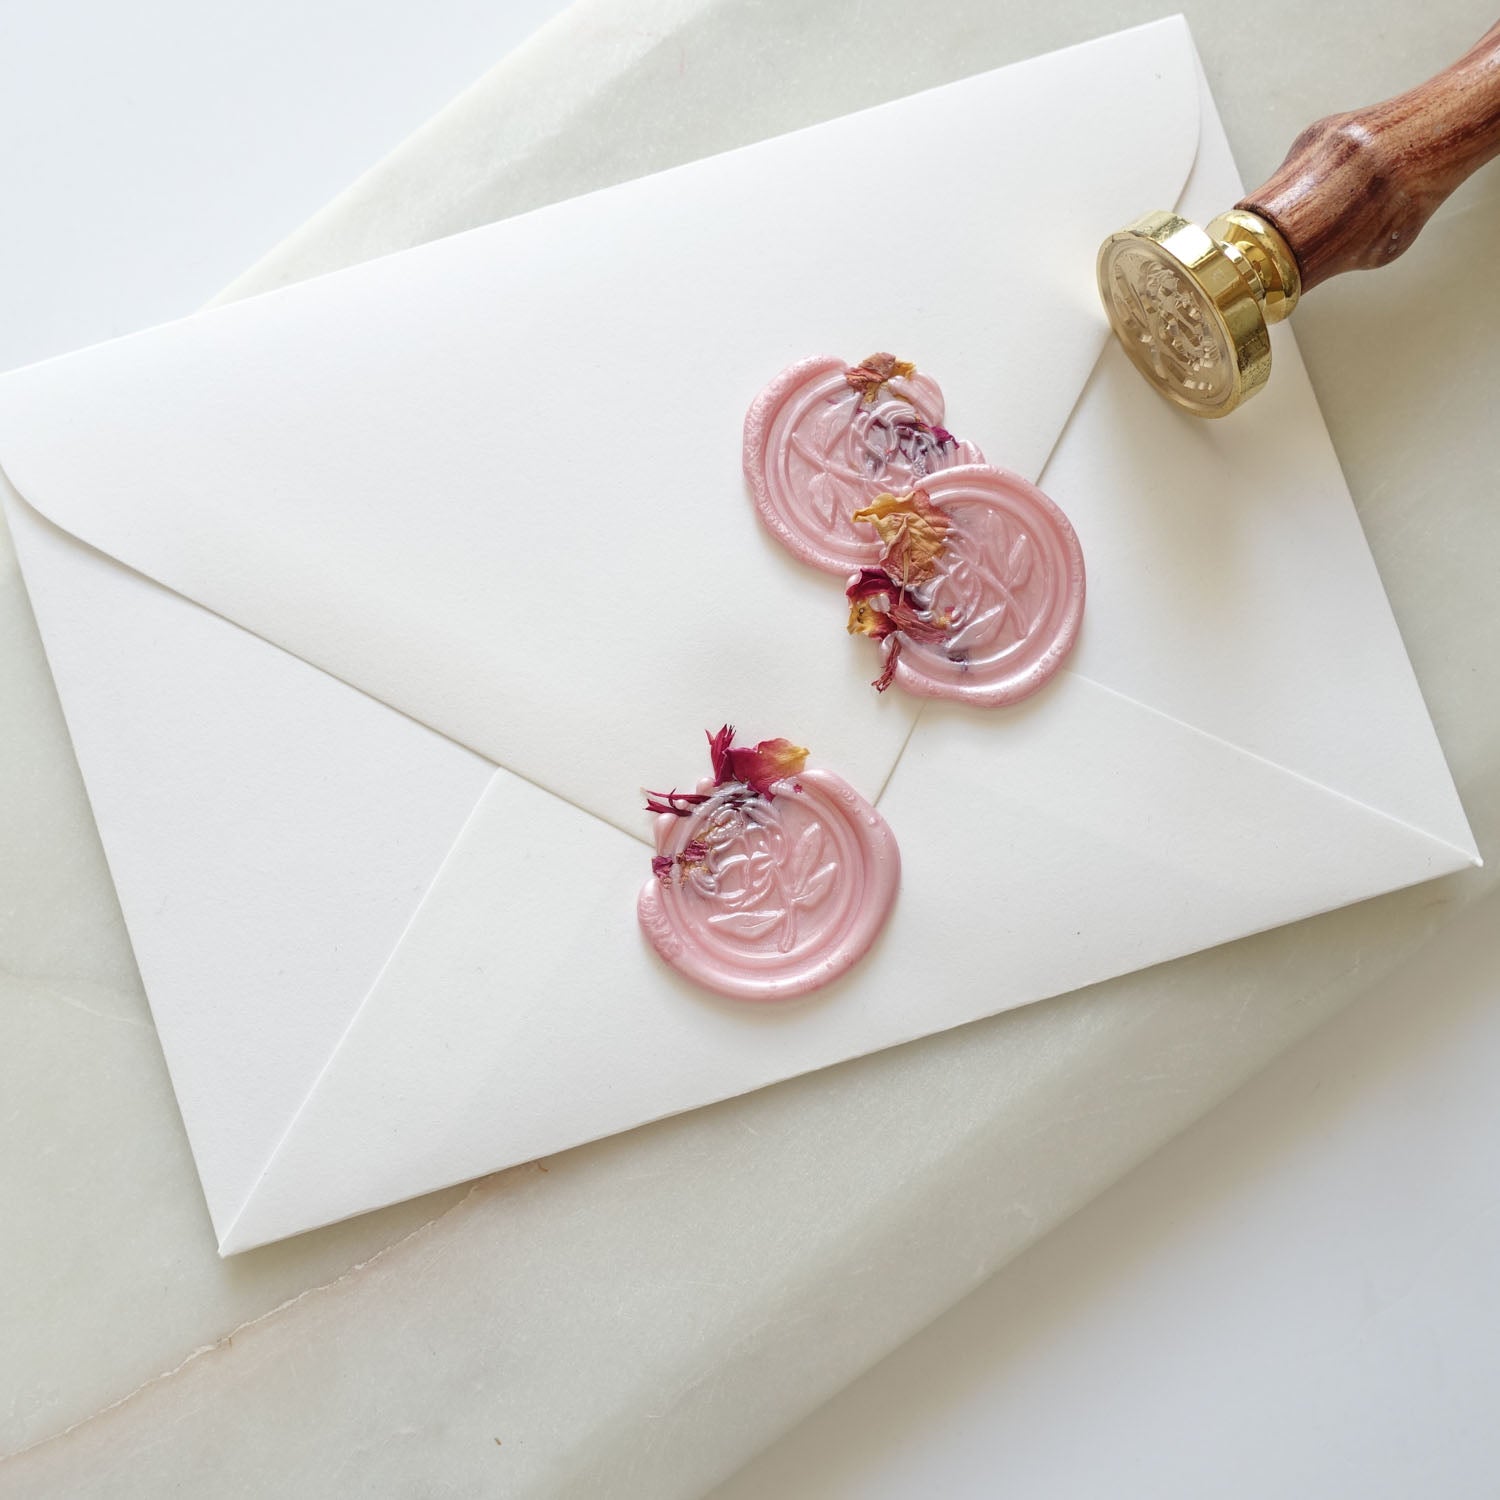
(1170, 324)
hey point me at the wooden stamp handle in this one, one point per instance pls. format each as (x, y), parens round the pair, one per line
(1356, 188)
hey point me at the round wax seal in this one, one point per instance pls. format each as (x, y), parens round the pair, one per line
(826, 438)
(765, 891)
(979, 591)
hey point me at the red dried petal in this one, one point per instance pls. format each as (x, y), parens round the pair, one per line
(881, 610)
(679, 804)
(918, 624)
(718, 751)
(870, 595)
(870, 583)
(767, 763)
(757, 767)
(888, 673)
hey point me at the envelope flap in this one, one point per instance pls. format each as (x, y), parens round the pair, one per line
(1186, 841)
(270, 833)
(494, 481)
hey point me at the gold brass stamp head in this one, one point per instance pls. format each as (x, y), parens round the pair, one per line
(1191, 306)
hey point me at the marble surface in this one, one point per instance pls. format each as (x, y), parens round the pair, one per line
(641, 1316)
(1294, 1298)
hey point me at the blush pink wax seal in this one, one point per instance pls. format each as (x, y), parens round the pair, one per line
(971, 579)
(980, 589)
(769, 880)
(825, 438)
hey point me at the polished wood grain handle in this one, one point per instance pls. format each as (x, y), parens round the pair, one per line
(1356, 188)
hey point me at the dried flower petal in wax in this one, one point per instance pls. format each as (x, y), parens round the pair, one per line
(770, 880)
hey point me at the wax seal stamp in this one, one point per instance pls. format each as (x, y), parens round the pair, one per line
(825, 438)
(977, 593)
(769, 880)
(1192, 307)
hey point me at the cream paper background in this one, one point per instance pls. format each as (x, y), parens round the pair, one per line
(648, 1312)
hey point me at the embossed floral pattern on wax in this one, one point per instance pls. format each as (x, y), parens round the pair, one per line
(968, 577)
(978, 591)
(769, 879)
(826, 438)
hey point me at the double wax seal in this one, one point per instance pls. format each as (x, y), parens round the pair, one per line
(967, 575)
(770, 879)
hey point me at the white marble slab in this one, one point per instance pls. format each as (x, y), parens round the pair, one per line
(647, 1313)
(1294, 1298)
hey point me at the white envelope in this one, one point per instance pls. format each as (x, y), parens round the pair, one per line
(372, 604)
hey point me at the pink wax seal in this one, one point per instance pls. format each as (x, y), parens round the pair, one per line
(769, 880)
(971, 579)
(825, 438)
(979, 592)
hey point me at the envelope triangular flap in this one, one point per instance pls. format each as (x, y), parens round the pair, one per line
(1089, 839)
(494, 481)
(270, 833)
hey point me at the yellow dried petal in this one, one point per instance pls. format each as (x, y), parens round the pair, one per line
(865, 619)
(913, 531)
(869, 375)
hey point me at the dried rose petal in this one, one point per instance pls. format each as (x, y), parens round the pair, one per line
(914, 532)
(870, 595)
(878, 607)
(769, 762)
(888, 673)
(757, 767)
(871, 583)
(920, 625)
(661, 867)
(866, 619)
(679, 804)
(870, 374)
(718, 752)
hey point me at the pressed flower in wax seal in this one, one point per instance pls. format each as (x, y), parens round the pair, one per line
(825, 438)
(982, 606)
(770, 879)
(969, 578)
